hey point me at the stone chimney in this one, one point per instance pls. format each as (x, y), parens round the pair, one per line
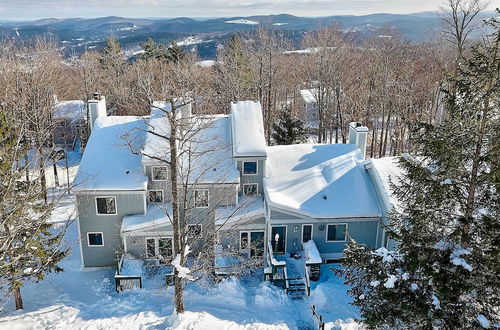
(96, 109)
(186, 113)
(358, 135)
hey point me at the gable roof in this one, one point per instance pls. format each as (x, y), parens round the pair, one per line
(320, 181)
(247, 129)
(108, 163)
(73, 111)
(309, 95)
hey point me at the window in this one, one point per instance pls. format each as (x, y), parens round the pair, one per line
(159, 173)
(307, 233)
(150, 248)
(250, 188)
(201, 198)
(161, 248)
(95, 239)
(249, 168)
(106, 205)
(336, 233)
(253, 241)
(194, 231)
(155, 196)
(243, 240)
(165, 248)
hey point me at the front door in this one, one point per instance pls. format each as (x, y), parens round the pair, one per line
(278, 235)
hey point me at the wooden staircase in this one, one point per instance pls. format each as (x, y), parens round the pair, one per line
(296, 287)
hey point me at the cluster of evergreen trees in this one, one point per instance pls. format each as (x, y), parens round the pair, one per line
(445, 271)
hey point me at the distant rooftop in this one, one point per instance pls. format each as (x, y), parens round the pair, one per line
(248, 129)
(73, 111)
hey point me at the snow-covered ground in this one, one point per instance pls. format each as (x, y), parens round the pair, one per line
(86, 299)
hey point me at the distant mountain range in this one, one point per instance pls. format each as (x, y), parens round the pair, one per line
(203, 35)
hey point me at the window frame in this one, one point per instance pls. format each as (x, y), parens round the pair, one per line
(208, 198)
(197, 225)
(94, 245)
(156, 246)
(105, 214)
(336, 224)
(312, 231)
(153, 174)
(249, 242)
(250, 161)
(156, 190)
(251, 184)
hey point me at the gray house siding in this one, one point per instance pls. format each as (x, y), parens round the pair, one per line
(158, 185)
(364, 231)
(230, 239)
(90, 222)
(257, 178)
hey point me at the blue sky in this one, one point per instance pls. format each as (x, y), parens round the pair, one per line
(34, 9)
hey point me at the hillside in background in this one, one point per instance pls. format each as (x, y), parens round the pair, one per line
(203, 36)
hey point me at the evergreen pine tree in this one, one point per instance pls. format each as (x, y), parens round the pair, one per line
(29, 246)
(288, 130)
(175, 53)
(153, 50)
(112, 57)
(444, 273)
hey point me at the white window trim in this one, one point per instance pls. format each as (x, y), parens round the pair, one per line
(153, 174)
(157, 246)
(336, 224)
(195, 224)
(250, 161)
(95, 232)
(249, 233)
(208, 198)
(286, 230)
(106, 214)
(251, 184)
(302, 233)
(162, 195)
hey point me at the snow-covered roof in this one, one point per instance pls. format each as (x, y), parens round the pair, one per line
(210, 159)
(69, 110)
(308, 95)
(156, 216)
(247, 209)
(108, 163)
(387, 170)
(207, 143)
(320, 181)
(156, 146)
(248, 129)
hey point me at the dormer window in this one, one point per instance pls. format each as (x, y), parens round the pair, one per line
(249, 168)
(159, 173)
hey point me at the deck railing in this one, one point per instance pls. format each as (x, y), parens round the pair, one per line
(308, 281)
(319, 318)
(123, 282)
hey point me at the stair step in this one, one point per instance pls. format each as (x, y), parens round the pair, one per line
(295, 279)
(296, 290)
(296, 284)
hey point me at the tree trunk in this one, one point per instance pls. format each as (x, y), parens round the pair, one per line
(16, 290)
(43, 180)
(178, 246)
